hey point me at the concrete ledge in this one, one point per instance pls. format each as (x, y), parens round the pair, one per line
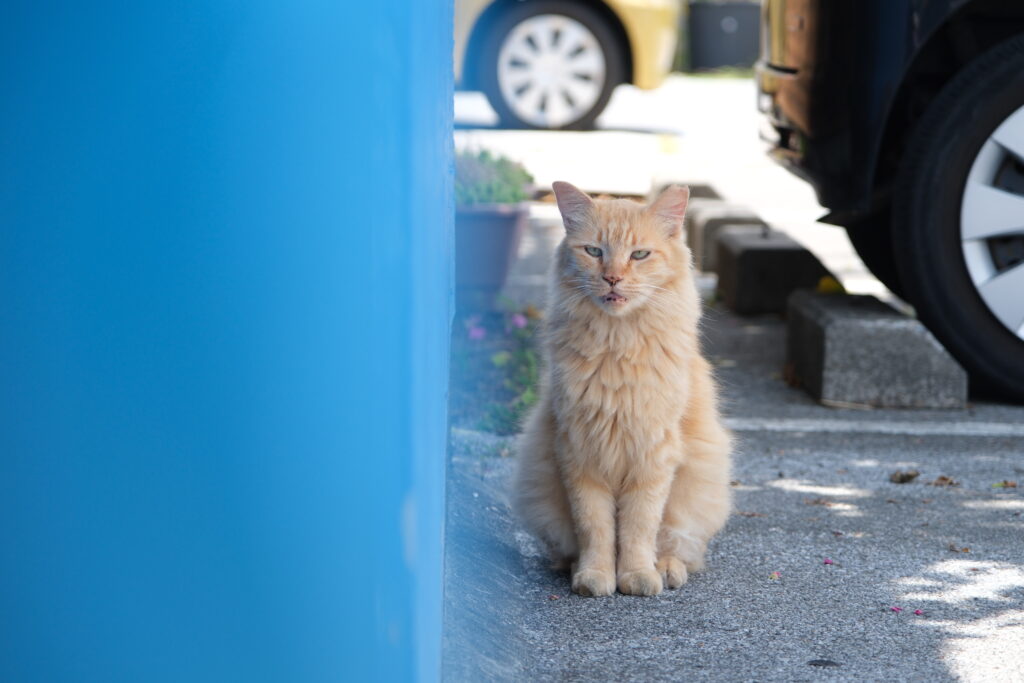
(757, 271)
(485, 582)
(857, 350)
(704, 219)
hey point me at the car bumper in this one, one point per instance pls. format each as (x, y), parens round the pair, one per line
(775, 87)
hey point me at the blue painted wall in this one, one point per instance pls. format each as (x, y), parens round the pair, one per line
(225, 235)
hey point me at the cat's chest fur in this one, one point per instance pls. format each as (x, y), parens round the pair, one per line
(619, 390)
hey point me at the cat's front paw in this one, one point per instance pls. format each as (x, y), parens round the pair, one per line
(640, 582)
(673, 571)
(593, 583)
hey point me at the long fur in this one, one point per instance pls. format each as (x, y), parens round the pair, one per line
(624, 465)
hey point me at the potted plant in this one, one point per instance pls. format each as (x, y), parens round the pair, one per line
(490, 214)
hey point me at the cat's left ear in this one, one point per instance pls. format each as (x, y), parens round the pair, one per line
(573, 203)
(670, 207)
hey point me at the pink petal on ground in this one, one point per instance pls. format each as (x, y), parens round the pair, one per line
(919, 613)
(896, 609)
(828, 560)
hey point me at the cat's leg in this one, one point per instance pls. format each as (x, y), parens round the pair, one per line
(641, 505)
(700, 500)
(538, 494)
(593, 512)
(681, 542)
(698, 507)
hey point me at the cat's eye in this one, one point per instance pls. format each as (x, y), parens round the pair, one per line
(593, 251)
(640, 254)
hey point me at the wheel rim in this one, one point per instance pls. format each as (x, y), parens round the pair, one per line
(992, 223)
(551, 70)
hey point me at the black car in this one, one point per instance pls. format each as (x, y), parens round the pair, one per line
(907, 116)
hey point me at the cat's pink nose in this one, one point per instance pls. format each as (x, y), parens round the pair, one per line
(612, 279)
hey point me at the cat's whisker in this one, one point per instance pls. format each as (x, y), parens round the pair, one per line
(650, 286)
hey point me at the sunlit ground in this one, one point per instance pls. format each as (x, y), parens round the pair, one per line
(975, 646)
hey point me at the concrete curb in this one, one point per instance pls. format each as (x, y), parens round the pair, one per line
(855, 350)
(757, 271)
(484, 575)
(704, 219)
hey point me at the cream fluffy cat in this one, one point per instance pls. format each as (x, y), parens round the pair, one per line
(624, 462)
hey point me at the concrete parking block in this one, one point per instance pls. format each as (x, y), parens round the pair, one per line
(704, 219)
(858, 350)
(758, 270)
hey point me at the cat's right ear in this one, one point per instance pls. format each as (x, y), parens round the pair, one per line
(573, 203)
(670, 206)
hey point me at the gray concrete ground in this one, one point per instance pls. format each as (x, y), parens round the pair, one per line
(811, 484)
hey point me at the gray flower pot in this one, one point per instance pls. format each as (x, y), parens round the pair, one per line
(486, 243)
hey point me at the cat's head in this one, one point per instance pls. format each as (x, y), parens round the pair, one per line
(620, 254)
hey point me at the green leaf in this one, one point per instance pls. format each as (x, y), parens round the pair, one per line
(481, 178)
(528, 397)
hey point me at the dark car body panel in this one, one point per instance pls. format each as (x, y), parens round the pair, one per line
(834, 77)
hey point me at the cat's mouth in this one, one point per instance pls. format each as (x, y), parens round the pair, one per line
(613, 297)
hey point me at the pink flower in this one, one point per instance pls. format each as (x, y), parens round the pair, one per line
(519, 320)
(476, 333)
(896, 609)
(919, 613)
(828, 560)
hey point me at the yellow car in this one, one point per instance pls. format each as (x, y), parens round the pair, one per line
(554, 63)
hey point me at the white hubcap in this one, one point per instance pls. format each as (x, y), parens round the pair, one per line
(992, 223)
(551, 70)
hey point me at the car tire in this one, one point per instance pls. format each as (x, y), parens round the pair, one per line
(510, 73)
(936, 228)
(871, 238)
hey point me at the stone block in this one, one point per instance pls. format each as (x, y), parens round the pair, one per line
(857, 350)
(704, 219)
(757, 271)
